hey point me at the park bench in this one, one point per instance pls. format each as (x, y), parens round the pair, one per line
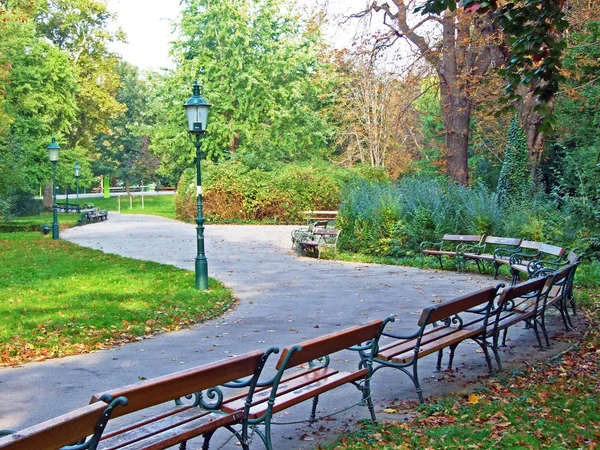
(449, 246)
(199, 408)
(68, 207)
(529, 249)
(312, 216)
(523, 263)
(306, 233)
(319, 240)
(66, 430)
(573, 258)
(489, 251)
(304, 373)
(560, 292)
(528, 302)
(442, 326)
(515, 304)
(93, 216)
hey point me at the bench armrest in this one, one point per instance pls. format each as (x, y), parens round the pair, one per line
(504, 252)
(428, 245)
(477, 249)
(524, 258)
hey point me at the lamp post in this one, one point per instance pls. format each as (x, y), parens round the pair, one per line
(76, 170)
(53, 151)
(196, 109)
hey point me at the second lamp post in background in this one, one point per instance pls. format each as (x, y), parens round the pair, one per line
(196, 109)
(53, 151)
(76, 172)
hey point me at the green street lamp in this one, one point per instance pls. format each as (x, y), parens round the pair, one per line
(76, 170)
(53, 151)
(196, 109)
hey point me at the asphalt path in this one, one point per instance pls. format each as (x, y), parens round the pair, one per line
(282, 300)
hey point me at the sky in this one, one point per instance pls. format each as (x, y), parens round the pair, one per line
(148, 29)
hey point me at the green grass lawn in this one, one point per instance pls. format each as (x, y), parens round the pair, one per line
(156, 205)
(60, 299)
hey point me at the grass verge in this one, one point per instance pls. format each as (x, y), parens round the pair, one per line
(154, 205)
(554, 405)
(61, 299)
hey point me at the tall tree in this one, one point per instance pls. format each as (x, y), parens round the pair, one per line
(375, 110)
(124, 147)
(460, 57)
(256, 62)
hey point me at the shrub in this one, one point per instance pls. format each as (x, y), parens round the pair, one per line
(385, 220)
(185, 197)
(514, 183)
(233, 191)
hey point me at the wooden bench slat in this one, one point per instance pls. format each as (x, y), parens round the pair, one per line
(171, 435)
(498, 240)
(439, 252)
(308, 391)
(395, 348)
(58, 432)
(452, 307)
(168, 387)
(144, 422)
(462, 237)
(299, 380)
(457, 336)
(330, 343)
(552, 250)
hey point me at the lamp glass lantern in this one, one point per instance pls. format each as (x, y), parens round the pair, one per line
(76, 169)
(196, 109)
(53, 150)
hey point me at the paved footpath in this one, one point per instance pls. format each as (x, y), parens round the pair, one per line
(283, 299)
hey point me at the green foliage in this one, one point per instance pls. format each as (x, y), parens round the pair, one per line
(21, 204)
(266, 98)
(233, 191)
(385, 220)
(185, 197)
(56, 78)
(514, 184)
(124, 148)
(534, 30)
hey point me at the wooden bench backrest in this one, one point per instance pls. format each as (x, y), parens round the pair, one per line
(519, 290)
(573, 257)
(559, 276)
(462, 238)
(497, 240)
(169, 387)
(457, 305)
(552, 250)
(330, 343)
(58, 432)
(531, 245)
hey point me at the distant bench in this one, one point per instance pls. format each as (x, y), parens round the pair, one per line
(449, 246)
(311, 216)
(319, 240)
(93, 216)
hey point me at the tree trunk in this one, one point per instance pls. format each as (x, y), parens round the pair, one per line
(455, 101)
(457, 116)
(530, 122)
(47, 197)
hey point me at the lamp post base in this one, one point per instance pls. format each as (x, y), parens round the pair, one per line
(55, 231)
(201, 274)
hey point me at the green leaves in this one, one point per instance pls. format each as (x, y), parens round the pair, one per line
(258, 66)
